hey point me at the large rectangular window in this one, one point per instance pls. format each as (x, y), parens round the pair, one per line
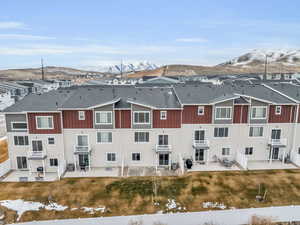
(104, 137)
(256, 131)
(136, 156)
(223, 113)
(225, 151)
(103, 117)
(141, 117)
(141, 137)
(21, 140)
(221, 132)
(18, 125)
(111, 157)
(249, 151)
(54, 162)
(259, 112)
(44, 122)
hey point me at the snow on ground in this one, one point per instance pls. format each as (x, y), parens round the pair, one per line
(213, 205)
(218, 217)
(21, 206)
(173, 205)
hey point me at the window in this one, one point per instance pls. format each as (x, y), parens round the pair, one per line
(44, 122)
(136, 156)
(163, 115)
(141, 137)
(103, 117)
(111, 157)
(256, 131)
(18, 126)
(221, 132)
(249, 151)
(258, 112)
(200, 110)
(163, 139)
(82, 140)
(21, 140)
(141, 117)
(81, 115)
(53, 162)
(51, 141)
(21, 162)
(223, 113)
(299, 150)
(37, 145)
(225, 151)
(278, 110)
(104, 137)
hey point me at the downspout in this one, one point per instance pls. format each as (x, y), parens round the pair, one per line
(295, 130)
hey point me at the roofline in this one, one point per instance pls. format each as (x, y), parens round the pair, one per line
(174, 89)
(104, 104)
(140, 104)
(258, 99)
(232, 98)
(279, 92)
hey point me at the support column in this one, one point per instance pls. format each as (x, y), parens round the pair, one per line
(90, 155)
(30, 172)
(44, 168)
(283, 156)
(207, 157)
(75, 162)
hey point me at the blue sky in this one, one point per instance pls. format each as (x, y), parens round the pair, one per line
(95, 33)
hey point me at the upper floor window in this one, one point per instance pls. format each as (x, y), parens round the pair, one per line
(259, 112)
(141, 137)
(51, 141)
(278, 110)
(223, 113)
(111, 157)
(44, 122)
(141, 117)
(21, 140)
(136, 156)
(256, 131)
(103, 117)
(18, 125)
(163, 115)
(221, 132)
(104, 137)
(200, 110)
(81, 115)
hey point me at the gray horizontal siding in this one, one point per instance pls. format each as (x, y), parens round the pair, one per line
(14, 118)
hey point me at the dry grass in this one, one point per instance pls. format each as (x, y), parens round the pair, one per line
(3, 151)
(128, 196)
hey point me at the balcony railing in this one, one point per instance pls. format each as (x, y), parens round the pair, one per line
(162, 148)
(278, 142)
(37, 155)
(201, 143)
(81, 149)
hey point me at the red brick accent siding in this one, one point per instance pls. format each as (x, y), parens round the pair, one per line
(33, 126)
(190, 115)
(173, 119)
(70, 119)
(240, 114)
(286, 115)
(123, 118)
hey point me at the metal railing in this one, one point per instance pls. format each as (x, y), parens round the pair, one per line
(278, 142)
(201, 143)
(163, 147)
(37, 154)
(82, 149)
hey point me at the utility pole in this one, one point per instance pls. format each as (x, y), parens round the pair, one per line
(42, 64)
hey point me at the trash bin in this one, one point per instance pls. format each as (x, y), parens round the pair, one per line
(188, 163)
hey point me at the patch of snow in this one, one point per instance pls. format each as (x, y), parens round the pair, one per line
(91, 210)
(56, 207)
(172, 204)
(213, 205)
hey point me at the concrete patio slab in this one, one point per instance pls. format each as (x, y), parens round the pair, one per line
(95, 172)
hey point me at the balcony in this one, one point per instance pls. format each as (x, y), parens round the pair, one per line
(82, 149)
(282, 142)
(201, 144)
(36, 155)
(163, 148)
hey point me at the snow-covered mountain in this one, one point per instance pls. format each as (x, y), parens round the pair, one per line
(132, 67)
(256, 57)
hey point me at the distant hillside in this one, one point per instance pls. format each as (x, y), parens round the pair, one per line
(50, 72)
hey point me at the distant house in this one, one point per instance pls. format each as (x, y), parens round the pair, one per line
(5, 99)
(17, 91)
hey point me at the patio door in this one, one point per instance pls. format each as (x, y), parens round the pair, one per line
(275, 135)
(274, 153)
(163, 159)
(163, 139)
(83, 160)
(22, 162)
(199, 155)
(37, 146)
(199, 135)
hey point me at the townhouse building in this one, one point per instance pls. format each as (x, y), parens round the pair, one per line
(93, 127)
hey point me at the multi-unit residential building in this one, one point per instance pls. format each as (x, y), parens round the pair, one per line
(89, 127)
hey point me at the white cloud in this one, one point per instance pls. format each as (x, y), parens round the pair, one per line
(192, 40)
(25, 37)
(12, 25)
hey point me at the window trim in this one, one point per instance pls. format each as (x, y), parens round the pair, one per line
(88, 138)
(48, 141)
(229, 151)
(81, 117)
(99, 112)
(224, 131)
(48, 128)
(203, 110)
(256, 136)
(136, 161)
(50, 162)
(148, 112)
(223, 107)
(103, 131)
(15, 129)
(106, 158)
(258, 118)
(163, 113)
(280, 109)
(250, 148)
(24, 136)
(141, 142)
